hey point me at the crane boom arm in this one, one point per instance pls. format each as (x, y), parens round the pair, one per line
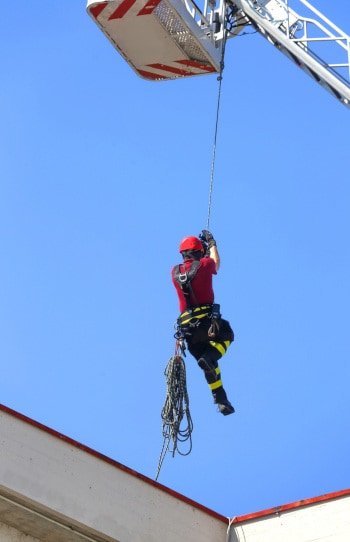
(306, 37)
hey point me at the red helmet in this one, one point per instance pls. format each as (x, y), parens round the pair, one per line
(191, 243)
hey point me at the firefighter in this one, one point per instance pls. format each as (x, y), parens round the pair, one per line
(207, 335)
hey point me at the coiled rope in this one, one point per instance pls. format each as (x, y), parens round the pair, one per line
(175, 410)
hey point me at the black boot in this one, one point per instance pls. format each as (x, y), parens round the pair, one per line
(226, 408)
(220, 399)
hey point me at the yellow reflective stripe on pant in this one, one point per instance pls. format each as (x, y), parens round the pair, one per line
(215, 385)
(218, 382)
(221, 347)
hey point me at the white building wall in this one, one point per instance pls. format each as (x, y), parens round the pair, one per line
(327, 521)
(9, 534)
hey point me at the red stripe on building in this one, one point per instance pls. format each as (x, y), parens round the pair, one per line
(198, 65)
(122, 9)
(170, 69)
(149, 75)
(149, 7)
(97, 9)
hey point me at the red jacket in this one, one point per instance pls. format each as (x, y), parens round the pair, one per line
(202, 283)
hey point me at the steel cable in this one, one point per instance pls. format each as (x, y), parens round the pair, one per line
(217, 120)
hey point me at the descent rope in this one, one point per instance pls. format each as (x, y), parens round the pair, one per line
(217, 120)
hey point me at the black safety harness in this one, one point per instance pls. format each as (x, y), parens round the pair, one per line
(184, 281)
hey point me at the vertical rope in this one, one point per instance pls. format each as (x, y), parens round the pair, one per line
(217, 121)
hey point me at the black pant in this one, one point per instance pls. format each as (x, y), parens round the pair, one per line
(208, 350)
(211, 348)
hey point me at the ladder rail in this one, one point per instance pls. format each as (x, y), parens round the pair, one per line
(339, 40)
(342, 40)
(196, 13)
(205, 18)
(329, 36)
(285, 5)
(303, 43)
(308, 41)
(212, 20)
(321, 16)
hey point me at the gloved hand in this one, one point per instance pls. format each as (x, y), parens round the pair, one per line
(209, 239)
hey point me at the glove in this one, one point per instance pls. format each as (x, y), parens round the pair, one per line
(209, 239)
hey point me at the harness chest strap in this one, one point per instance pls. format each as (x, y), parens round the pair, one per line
(184, 281)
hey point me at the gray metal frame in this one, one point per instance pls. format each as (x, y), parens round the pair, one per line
(297, 29)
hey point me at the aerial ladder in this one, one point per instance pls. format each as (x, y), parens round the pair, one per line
(169, 39)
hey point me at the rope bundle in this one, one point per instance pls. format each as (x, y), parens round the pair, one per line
(175, 410)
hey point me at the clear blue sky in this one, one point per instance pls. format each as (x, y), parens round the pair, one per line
(101, 175)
